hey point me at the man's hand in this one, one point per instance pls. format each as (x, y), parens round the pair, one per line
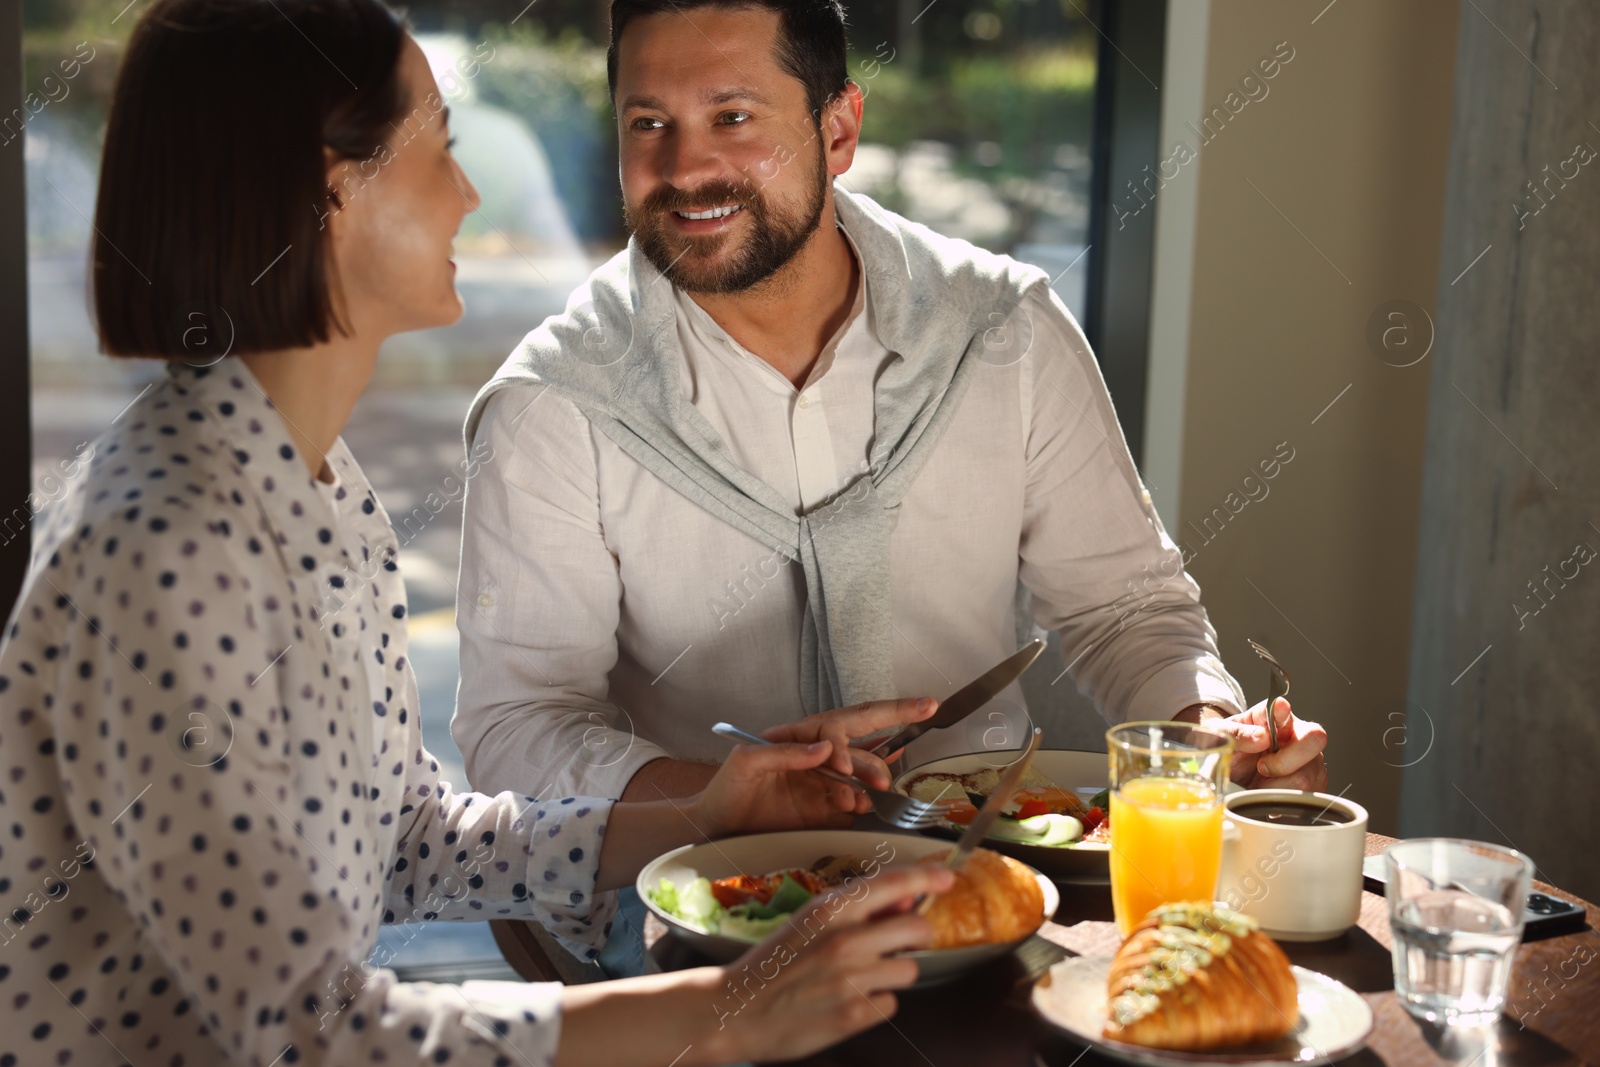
(763, 788)
(843, 725)
(1299, 761)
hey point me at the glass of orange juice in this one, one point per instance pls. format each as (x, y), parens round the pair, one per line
(1167, 781)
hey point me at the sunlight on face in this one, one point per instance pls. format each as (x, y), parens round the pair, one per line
(398, 213)
(724, 173)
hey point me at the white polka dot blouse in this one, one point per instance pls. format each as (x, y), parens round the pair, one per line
(213, 787)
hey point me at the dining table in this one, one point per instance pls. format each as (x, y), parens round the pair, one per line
(984, 1018)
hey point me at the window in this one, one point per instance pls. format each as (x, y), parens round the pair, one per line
(991, 120)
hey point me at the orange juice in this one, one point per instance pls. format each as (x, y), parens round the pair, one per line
(1166, 845)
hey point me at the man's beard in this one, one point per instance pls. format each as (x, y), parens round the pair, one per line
(774, 235)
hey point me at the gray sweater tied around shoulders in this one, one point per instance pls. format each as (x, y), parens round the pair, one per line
(938, 304)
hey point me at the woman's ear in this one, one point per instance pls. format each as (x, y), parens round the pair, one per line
(329, 211)
(334, 168)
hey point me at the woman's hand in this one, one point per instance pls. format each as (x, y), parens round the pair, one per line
(762, 788)
(829, 972)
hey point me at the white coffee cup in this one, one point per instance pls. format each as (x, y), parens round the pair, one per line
(1300, 882)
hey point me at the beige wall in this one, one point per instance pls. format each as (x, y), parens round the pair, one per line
(1258, 327)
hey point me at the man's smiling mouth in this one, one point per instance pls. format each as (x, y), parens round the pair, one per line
(711, 213)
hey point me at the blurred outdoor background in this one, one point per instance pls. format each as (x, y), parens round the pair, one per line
(977, 123)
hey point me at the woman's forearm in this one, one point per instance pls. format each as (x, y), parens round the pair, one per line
(654, 1020)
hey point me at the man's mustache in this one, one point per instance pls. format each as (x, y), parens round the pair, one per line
(715, 194)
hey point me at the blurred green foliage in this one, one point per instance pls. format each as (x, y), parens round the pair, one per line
(1026, 104)
(1004, 82)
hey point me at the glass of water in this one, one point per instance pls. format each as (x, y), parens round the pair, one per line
(1455, 910)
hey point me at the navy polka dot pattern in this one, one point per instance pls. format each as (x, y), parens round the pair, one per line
(212, 777)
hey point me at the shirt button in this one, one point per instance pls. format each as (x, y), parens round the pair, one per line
(805, 401)
(485, 600)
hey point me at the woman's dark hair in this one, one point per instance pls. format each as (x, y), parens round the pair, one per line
(811, 41)
(213, 190)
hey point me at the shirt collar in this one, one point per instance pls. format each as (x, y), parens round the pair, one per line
(714, 336)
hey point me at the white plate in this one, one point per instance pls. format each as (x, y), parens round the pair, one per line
(1084, 773)
(1334, 1020)
(760, 854)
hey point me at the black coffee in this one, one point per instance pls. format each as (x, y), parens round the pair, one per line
(1289, 813)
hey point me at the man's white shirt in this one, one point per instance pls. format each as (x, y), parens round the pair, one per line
(607, 621)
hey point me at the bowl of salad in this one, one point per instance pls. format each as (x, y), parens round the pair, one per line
(724, 896)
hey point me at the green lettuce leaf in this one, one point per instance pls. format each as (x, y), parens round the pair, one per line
(692, 903)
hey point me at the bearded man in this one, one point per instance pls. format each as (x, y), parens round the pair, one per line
(790, 452)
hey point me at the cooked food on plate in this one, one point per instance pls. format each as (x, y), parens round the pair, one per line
(995, 900)
(1040, 813)
(749, 908)
(1199, 976)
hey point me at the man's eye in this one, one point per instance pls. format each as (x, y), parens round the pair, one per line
(646, 124)
(733, 118)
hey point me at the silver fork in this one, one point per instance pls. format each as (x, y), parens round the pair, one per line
(893, 808)
(1279, 676)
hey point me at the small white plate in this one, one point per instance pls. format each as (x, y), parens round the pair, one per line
(760, 854)
(1334, 1020)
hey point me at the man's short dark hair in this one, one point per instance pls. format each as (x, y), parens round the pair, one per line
(213, 189)
(811, 40)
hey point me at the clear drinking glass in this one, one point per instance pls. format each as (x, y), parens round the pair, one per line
(1455, 910)
(1167, 781)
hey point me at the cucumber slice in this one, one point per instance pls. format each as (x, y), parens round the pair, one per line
(1049, 829)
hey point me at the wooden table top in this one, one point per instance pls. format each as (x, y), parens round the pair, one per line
(985, 1020)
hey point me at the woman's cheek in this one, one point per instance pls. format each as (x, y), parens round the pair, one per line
(399, 258)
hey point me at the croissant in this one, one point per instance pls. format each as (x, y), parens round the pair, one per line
(1199, 976)
(995, 899)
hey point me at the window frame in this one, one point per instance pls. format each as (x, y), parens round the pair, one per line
(16, 387)
(1127, 139)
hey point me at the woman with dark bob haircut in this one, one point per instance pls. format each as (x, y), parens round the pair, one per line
(214, 772)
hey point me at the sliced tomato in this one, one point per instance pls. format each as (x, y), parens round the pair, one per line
(743, 888)
(1030, 808)
(740, 889)
(1092, 818)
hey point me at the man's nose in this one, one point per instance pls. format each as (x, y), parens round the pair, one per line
(690, 160)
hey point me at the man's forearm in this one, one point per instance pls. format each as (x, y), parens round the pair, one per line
(638, 832)
(1198, 713)
(668, 778)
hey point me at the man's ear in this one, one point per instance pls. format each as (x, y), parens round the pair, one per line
(841, 127)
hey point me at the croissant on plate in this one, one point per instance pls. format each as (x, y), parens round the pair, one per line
(995, 899)
(1199, 976)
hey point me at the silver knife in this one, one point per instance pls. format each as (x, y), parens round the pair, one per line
(978, 829)
(968, 699)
